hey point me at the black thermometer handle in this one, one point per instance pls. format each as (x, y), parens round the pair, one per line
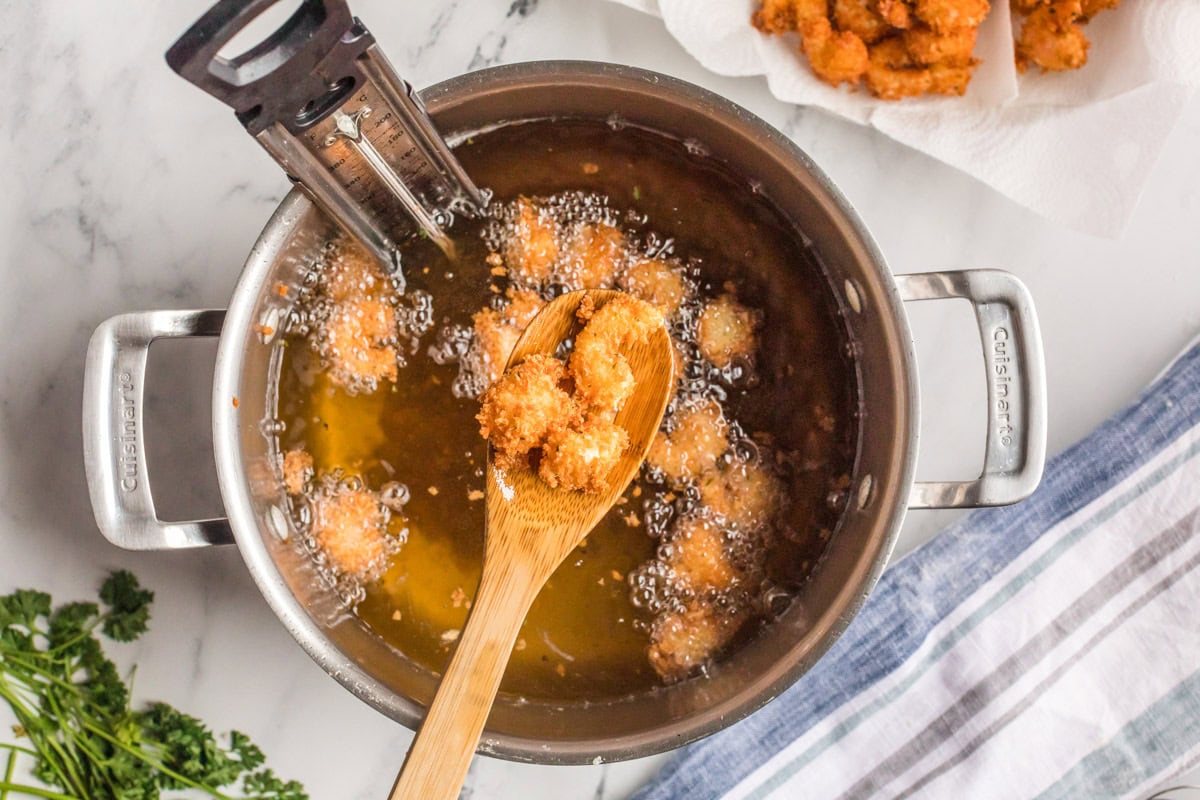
(296, 76)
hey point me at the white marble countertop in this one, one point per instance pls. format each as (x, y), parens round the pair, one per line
(127, 189)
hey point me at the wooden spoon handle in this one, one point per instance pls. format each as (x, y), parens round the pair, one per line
(439, 757)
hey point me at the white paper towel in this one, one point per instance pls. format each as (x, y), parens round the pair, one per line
(1075, 147)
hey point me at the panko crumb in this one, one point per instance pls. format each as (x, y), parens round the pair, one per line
(297, 470)
(523, 407)
(603, 378)
(349, 526)
(532, 250)
(594, 256)
(726, 330)
(658, 283)
(684, 641)
(697, 439)
(581, 458)
(361, 337)
(699, 559)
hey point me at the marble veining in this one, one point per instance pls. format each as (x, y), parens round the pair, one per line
(127, 189)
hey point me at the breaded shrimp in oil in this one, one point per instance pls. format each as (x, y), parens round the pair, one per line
(697, 439)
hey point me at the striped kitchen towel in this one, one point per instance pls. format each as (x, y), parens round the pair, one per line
(1046, 650)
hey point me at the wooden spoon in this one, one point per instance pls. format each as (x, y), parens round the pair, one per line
(531, 529)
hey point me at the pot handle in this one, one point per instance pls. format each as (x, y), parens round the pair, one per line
(1016, 387)
(114, 450)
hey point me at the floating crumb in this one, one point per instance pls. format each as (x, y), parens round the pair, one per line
(632, 519)
(499, 271)
(235, 401)
(474, 494)
(458, 598)
(520, 645)
(590, 168)
(433, 490)
(297, 470)
(450, 636)
(637, 491)
(560, 669)
(266, 330)
(397, 616)
(281, 289)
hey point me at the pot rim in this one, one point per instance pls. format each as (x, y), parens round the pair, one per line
(293, 615)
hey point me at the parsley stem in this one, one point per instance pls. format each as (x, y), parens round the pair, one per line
(8, 773)
(32, 791)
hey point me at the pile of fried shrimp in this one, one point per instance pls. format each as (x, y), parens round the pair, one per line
(563, 416)
(707, 575)
(908, 48)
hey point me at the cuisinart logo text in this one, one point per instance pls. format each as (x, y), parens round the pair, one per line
(1002, 380)
(127, 459)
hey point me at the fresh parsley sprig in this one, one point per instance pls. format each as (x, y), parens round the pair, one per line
(75, 728)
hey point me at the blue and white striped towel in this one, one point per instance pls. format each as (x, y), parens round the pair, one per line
(1046, 650)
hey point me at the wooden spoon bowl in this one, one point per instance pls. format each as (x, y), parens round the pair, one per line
(531, 529)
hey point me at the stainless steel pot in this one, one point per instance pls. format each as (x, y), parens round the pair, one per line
(884, 489)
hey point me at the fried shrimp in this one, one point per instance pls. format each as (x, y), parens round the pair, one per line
(594, 257)
(1051, 38)
(658, 283)
(861, 18)
(891, 75)
(727, 330)
(945, 16)
(897, 13)
(580, 458)
(697, 439)
(926, 47)
(835, 56)
(349, 527)
(525, 406)
(603, 378)
(532, 250)
(785, 16)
